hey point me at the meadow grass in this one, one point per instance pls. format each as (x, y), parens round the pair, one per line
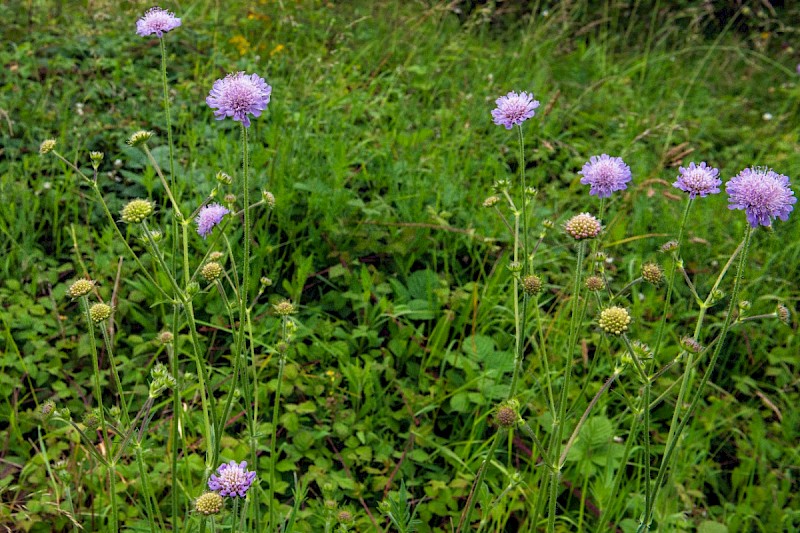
(379, 148)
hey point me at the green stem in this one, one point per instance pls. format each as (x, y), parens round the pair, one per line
(273, 453)
(169, 118)
(145, 487)
(585, 415)
(113, 364)
(672, 443)
(176, 418)
(559, 422)
(476, 486)
(112, 474)
(523, 199)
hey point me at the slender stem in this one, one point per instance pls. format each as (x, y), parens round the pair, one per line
(273, 454)
(523, 199)
(517, 316)
(672, 443)
(476, 485)
(169, 118)
(176, 418)
(588, 410)
(145, 487)
(112, 474)
(602, 526)
(209, 416)
(671, 281)
(559, 422)
(113, 364)
(526, 428)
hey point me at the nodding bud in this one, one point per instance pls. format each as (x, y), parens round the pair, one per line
(595, 283)
(223, 178)
(691, 345)
(531, 192)
(269, 199)
(215, 256)
(47, 146)
(82, 287)
(515, 266)
(96, 158)
(491, 201)
(744, 305)
(548, 224)
(782, 312)
(501, 185)
(47, 410)
(652, 273)
(193, 288)
(266, 282)
(532, 285)
(669, 246)
(345, 517)
(139, 138)
(614, 320)
(99, 312)
(166, 337)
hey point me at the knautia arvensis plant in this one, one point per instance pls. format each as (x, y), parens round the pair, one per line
(762, 193)
(195, 247)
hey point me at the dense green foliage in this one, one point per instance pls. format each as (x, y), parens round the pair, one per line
(379, 148)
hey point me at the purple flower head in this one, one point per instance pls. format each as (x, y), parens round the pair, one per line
(158, 21)
(513, 109)
(238, 95)
(232, 480)
(698, 180)
(762, 193)
(605, 175)
(209, 216)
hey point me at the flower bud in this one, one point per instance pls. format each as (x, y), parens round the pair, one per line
(269, 199)
(669, 246)
(47, 146)
(532, 285)
(81, 287)
(136, 211)
(491, 201)
(166, 337)
(96, 158)
(209, 503)
(284, 308)
(223, 178)
(583, 226)
(614, 320)
(99, 312)
(652, 273)
(139, 138)
(515, 266)
(212, 271)
(691, 345)
(782, 312)
(595, 283)
(507, 414)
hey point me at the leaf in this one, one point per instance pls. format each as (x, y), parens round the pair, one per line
(711, 527)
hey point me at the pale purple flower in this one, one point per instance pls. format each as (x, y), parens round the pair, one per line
(232, 480)
(209, 216)
(238, 95)
(605, 175)
(157, 21)
(762, 193)
(698, 180)
(513, 109)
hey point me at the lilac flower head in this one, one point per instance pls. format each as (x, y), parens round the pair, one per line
(698, 180)
(157, 21)
(238, 95)
(209, 216)
(605, 175)
(232, 480)
(513, 109)
(762, 193)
